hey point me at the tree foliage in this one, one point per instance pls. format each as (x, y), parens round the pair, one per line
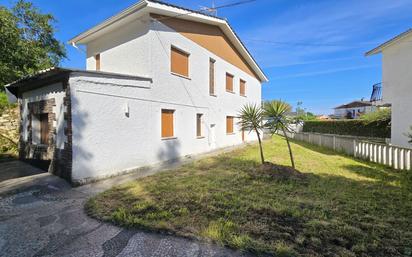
(27, 42)
(277, 120)
(380, 115)
(251, 119)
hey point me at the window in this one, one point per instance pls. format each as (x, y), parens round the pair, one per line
(167, 123)
(44, 128)
(179, 62)
(211, 76)
(199, 125)
(229, 124)
(229, 82)
(97, 58)
(242, 87)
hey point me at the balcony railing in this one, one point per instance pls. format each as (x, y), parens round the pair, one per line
(376, 93)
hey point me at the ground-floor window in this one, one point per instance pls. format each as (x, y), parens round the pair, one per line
(167, 123)
(229, 124)
(199, 131)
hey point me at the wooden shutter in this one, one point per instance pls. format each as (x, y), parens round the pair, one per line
(199, 125)
(229, 82)
(179, 62)
(97, 58)
(167, 123)
(212, 77)
(242, 86)
(229, 124)
(44, 128)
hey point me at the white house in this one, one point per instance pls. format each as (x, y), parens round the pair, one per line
(397, 84)
(162, 82)
(353, 110)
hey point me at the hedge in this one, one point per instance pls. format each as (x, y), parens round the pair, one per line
(361, 128)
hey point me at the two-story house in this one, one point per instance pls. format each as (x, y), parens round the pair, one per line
(162, 82)
(397, 84)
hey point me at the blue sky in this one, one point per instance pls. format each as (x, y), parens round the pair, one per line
(312, 51)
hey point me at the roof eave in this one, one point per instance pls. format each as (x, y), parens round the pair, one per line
(132, 9)
(388, 43)
(168, 9)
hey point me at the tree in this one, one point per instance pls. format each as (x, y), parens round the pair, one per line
(251, 119)
(410, 136)
(275, 112)
(27, 42)
(381, 115)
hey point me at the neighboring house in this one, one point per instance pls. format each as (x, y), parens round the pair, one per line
(397, 84)
(353, 110)
(162, 82)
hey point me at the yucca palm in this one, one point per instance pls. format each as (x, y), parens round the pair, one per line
(275, 113)
(251, 119)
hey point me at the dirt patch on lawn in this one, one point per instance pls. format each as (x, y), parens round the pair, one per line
(279, 172)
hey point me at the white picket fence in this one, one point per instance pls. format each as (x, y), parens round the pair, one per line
(393, 156)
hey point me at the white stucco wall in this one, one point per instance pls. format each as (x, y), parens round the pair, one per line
(363, 110)
(106, 141)
(47, 92)
(397, 88)
(125, 50)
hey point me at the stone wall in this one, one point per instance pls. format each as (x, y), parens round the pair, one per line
(9, 125)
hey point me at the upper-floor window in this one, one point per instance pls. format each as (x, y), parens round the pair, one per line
(212, 76)
(179, 62)
(97, 59)
(167, 123)
(242, 87)
(229, 82)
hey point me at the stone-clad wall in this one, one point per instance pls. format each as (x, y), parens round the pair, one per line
(9, 124)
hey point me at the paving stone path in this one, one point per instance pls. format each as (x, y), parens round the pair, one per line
(47, 219)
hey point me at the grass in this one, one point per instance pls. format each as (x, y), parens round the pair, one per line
(342, 207)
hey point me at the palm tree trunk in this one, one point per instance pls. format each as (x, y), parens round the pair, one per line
(260, 146)
(290, 149)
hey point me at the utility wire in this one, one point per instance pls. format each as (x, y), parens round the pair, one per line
(305, 44)
(214, 8)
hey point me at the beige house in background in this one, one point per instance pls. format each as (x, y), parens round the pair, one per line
(397, 83)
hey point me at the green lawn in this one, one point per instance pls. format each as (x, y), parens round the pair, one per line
(341, 207)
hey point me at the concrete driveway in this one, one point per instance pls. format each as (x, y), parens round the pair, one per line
(45, 217)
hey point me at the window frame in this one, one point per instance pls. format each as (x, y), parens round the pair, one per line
(97, 59)
(233, 78)
(162, 130)
(242, 81)
(199, 125)
(232, 131)
(178, 49)
(212, 77)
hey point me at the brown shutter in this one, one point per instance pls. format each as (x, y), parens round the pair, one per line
(97, 58)
(199, 125)
(242, 86)
(44, 128)
(212, 77)
(229, 124)
(167, 123)
(179, 62)
(229, 82)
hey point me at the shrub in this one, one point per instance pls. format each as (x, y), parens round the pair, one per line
(4, 104)
(383, 114)
(359, 127)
